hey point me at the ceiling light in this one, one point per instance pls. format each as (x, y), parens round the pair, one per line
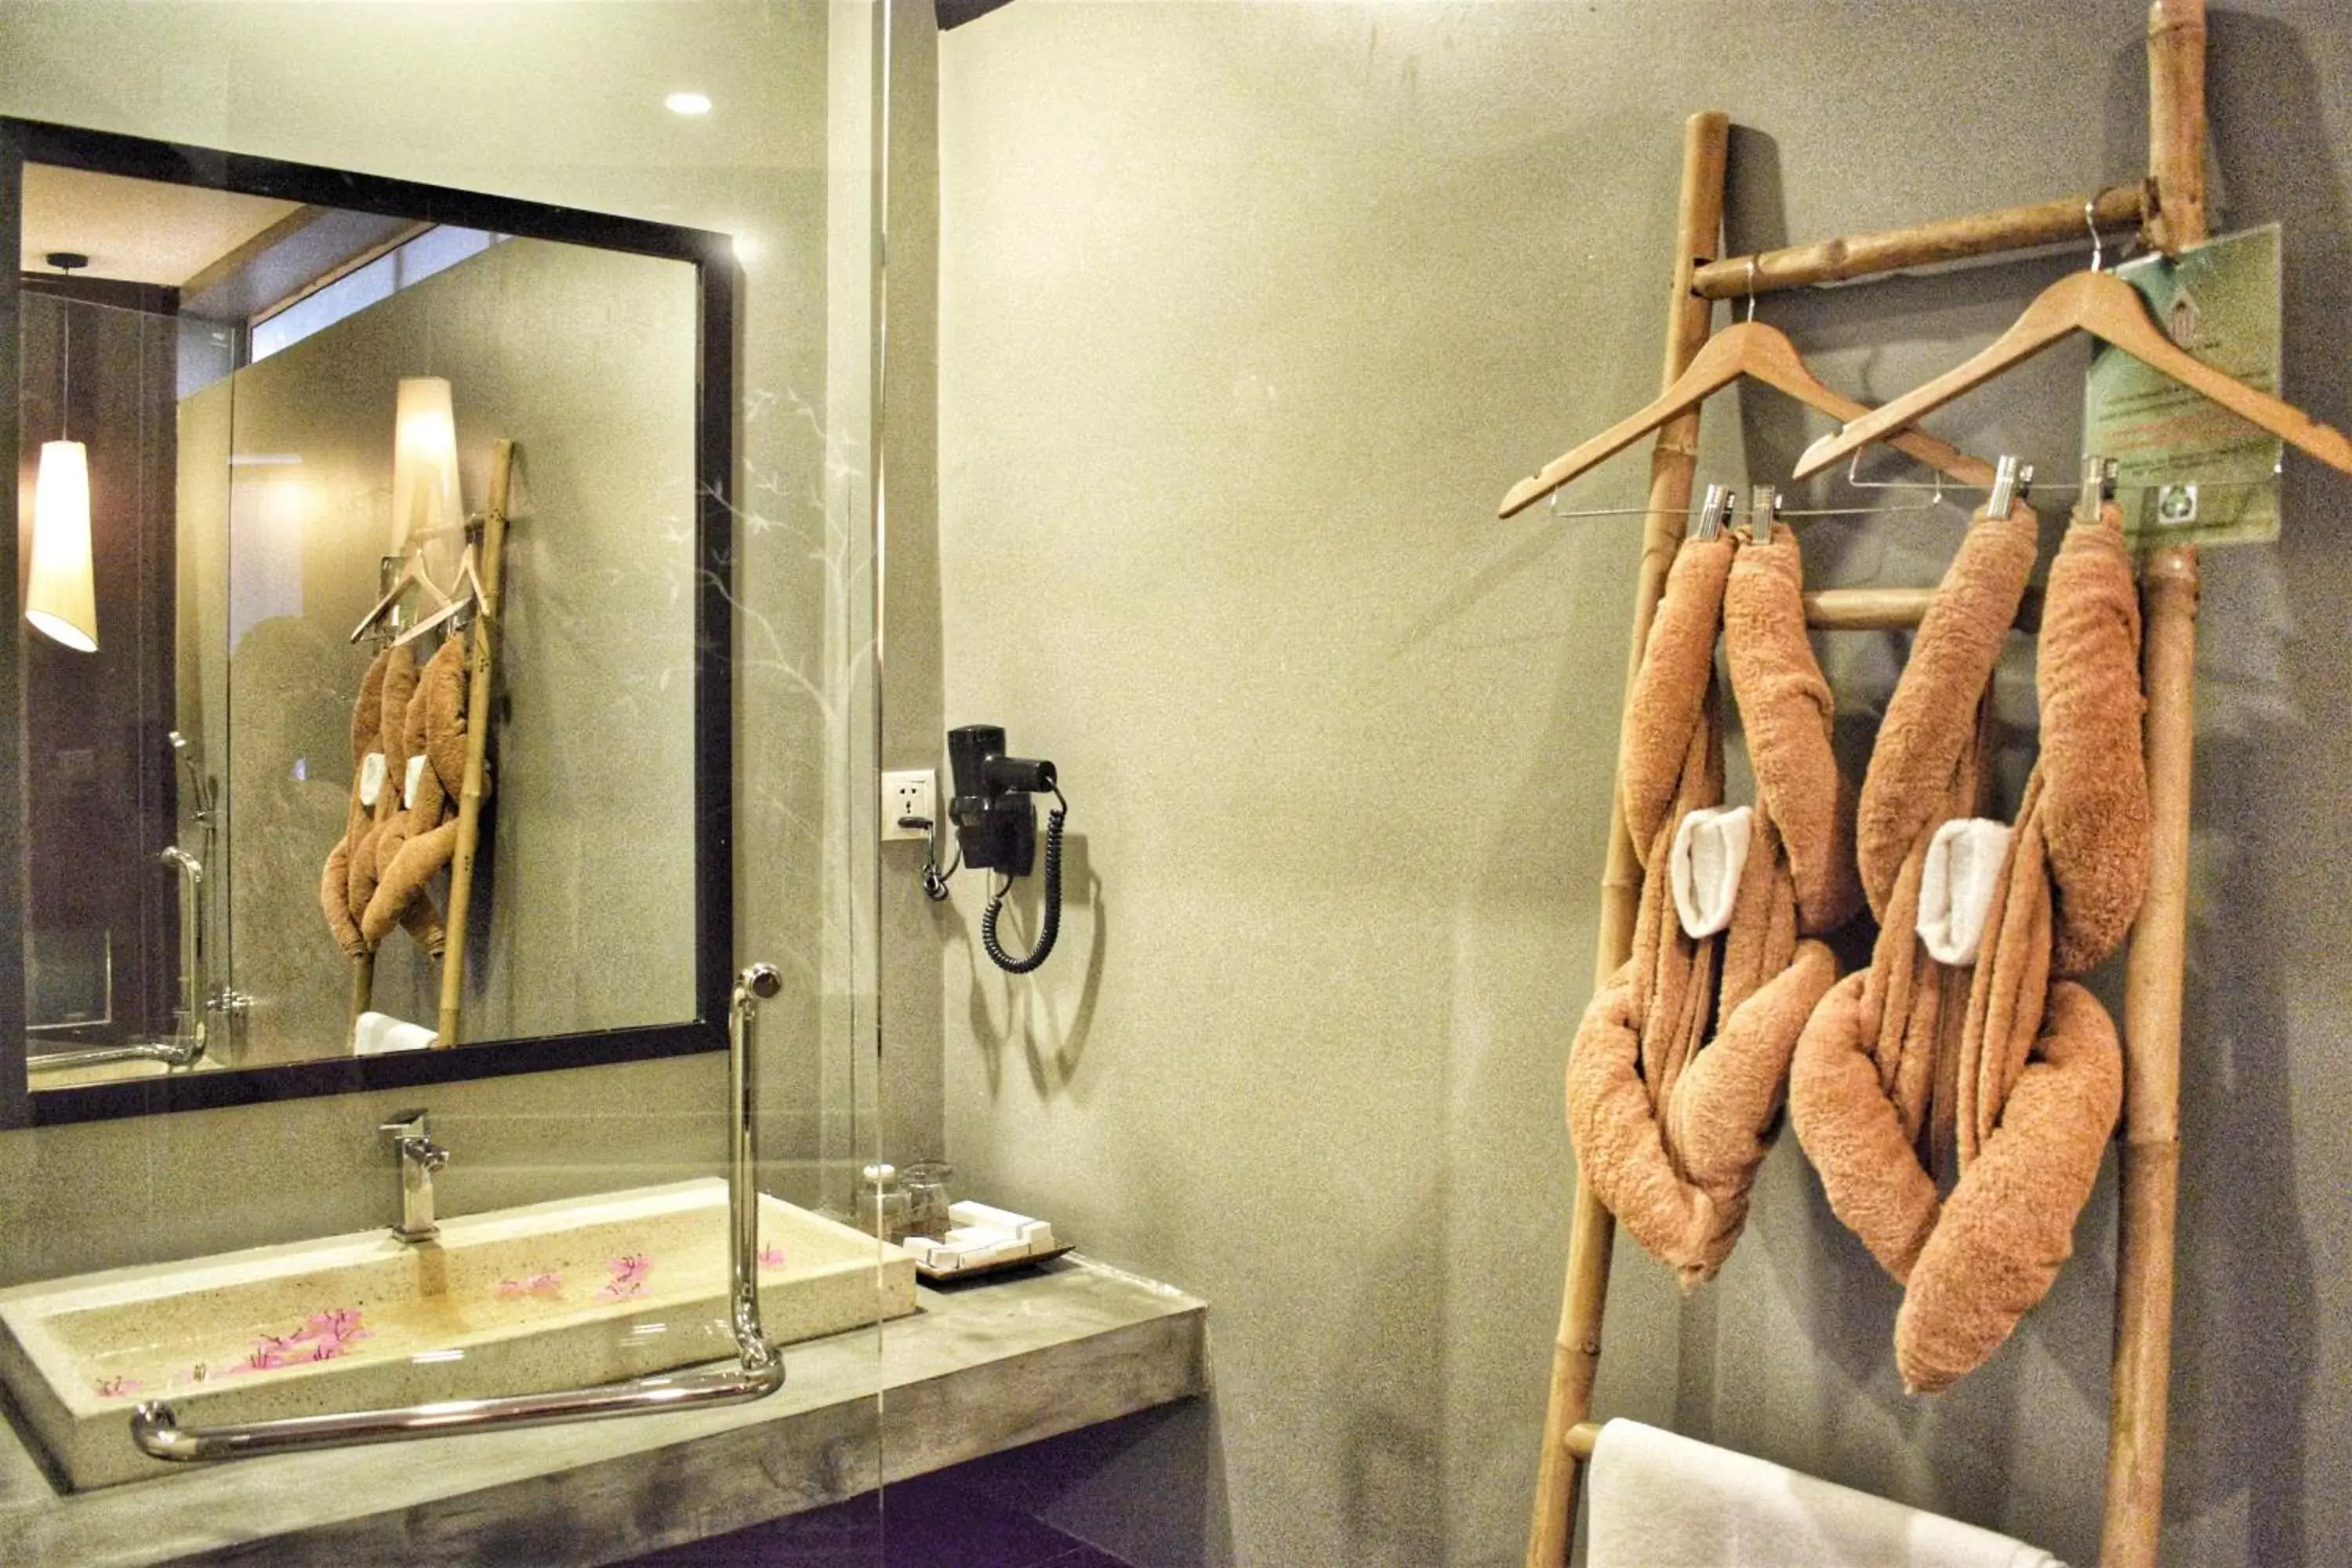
(687, 103)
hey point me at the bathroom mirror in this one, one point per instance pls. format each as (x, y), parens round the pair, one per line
(266, 414)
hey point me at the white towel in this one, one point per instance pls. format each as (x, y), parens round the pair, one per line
(1956, 885)
(1711, 851)
(1662, 1501)
(380, 1034)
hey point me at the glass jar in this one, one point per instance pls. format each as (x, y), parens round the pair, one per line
(882, 1203)
(926, 1183)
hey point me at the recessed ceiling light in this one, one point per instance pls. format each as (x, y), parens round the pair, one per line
(687, 103)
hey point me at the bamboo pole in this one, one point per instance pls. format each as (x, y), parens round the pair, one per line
(1925, 244)
(2140, 1391)
(481, 654)
(1892, 609)
(2176, 122)
(1576, 1354)
(2139, 1396)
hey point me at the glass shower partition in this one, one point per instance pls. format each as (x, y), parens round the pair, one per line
(234, 1254)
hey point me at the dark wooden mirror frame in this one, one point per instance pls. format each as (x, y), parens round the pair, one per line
(712, 257)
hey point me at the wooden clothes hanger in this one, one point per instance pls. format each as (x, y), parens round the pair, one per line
(412, 573)
(466, 593)
(2110, 309)
(1763, 352)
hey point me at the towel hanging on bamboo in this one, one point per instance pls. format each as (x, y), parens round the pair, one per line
(1670, 1125)
(2007, 1072)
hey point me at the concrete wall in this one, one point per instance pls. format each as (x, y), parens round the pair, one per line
(1247, 315)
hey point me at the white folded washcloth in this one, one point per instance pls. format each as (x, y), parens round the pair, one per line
(1710, 852)
(1955, 886)
(380, 1034)
(1662, 1501)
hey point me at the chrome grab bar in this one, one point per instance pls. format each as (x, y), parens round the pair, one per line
(178, 1054)
(758, 1372)
(195, 992)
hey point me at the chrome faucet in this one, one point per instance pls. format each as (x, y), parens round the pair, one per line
(419, 1158)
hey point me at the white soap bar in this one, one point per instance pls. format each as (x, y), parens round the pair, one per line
(1035, 1235)
(415, 771)
(372, 779)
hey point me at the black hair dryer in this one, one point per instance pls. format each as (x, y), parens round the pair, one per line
(996, 829)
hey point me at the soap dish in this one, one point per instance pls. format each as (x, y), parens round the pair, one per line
(930, 1276)
(983, 1241)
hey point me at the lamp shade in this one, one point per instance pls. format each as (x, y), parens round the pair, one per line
(60, 598)
(423, 460)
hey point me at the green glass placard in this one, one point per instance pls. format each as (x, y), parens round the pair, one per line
(2189, 472)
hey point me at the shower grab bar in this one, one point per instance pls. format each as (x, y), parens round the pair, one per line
(173, 1054)
(758, 1373)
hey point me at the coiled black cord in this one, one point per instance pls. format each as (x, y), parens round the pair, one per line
(1053, 926)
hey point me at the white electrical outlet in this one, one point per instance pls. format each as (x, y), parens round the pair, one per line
(909, 792)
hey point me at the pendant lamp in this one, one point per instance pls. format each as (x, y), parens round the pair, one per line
(62, 593)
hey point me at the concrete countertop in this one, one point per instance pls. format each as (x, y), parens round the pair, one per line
(981, 1367)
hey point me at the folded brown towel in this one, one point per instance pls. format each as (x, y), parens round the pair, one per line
(2019, 1079)
(1669, 1127)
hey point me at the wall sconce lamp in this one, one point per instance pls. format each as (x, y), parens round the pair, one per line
(60, 594)
(425, 498)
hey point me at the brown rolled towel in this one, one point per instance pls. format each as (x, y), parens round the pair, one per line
(1670, 1126)
(349, 878)
(2030, 1071)
(399, 687)
(422, 837)
(335, 880)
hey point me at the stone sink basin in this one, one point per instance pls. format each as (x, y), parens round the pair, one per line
(521, 1300)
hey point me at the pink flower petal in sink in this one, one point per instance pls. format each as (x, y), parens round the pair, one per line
(323, 1338)
(331, 1333)
(773, 1256)
(544, 1285)
(628, 1277)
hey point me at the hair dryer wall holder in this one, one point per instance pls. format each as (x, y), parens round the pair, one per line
(995, 813)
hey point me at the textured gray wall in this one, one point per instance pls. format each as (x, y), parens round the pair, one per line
(1248, 313)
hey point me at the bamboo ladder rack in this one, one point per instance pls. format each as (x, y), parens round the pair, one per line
(2169, 208)
(481, 656)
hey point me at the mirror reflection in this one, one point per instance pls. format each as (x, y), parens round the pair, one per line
(358, 583)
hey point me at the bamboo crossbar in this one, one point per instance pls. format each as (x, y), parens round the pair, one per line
(2111, 211)
(1892, 609)
(2170, 208)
